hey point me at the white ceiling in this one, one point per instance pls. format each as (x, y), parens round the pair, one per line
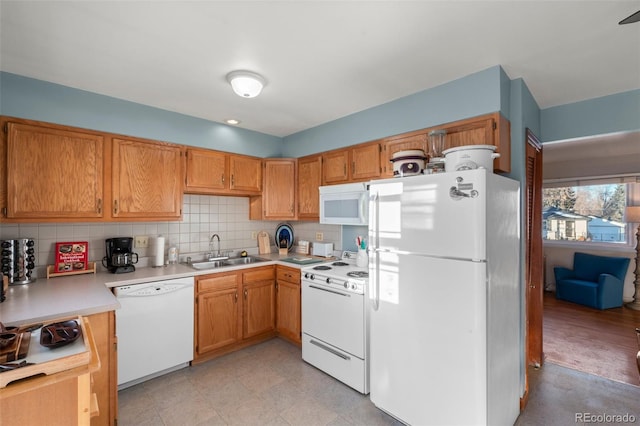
(322, 59)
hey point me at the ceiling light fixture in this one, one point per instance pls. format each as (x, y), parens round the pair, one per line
(246, 84)
(232, 121)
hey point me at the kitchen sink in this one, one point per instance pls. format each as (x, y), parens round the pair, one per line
(244, 260)
(234, 261)
(213, 264)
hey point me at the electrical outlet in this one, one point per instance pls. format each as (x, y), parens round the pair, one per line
(254, 235)
(141, 241)
(319, 236)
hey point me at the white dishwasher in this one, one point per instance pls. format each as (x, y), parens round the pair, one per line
(154, 326)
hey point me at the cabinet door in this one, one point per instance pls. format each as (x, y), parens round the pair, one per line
(217, 320)
(491, 129)
(246, 174)
(309, 179)
(288, 304)
(147, 180)
(53, 173)
(390, 147)
(105, 380)
(258, 308)
(335, 166)
(365, 161)
(207, 171)
(279, 194)
(476, 132)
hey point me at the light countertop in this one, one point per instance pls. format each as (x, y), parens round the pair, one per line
(87, 294)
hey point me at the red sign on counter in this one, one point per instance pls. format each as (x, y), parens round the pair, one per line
(72, 256)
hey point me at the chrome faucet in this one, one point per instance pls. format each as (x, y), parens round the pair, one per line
(211, 253)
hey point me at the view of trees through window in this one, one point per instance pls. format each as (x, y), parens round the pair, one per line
(585, 213)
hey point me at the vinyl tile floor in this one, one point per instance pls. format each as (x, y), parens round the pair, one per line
(269, 384)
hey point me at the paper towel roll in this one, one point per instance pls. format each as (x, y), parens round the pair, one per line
(158, 258)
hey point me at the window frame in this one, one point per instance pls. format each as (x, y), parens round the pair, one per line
(633, 199)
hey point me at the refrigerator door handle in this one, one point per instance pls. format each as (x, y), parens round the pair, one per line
(375, 257)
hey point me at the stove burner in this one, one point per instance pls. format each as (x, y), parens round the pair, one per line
(340, 264)
(358, 274)
(322, 268)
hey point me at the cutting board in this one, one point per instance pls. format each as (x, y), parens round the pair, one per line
(17, 350)
(264, 247)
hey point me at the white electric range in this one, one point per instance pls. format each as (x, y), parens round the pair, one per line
(335, 324)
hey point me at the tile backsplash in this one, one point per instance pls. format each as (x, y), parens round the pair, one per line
(203, 216)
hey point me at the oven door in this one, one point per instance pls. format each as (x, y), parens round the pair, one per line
(335, 317)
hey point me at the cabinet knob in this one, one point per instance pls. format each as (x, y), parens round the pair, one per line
(99, 205)
(115, 206)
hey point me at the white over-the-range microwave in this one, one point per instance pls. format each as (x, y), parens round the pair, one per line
(346, 204)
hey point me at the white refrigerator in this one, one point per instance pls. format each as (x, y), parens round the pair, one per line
(444, 298)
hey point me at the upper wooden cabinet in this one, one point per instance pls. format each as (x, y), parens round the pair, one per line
(52, 173)
(365, 161)
(309, 180)
(207, 171)
(278, 198)
(357, 163)
(335, 166)
(279, 195)
(400, 143)
(147, 180)
(217, 172)
(246, 174)
(490, 129)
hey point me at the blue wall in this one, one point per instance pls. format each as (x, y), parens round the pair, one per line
(39, 100)
(598, 116)
(480, 93)
(470, 96)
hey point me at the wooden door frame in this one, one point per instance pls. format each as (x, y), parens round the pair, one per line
(534, 255)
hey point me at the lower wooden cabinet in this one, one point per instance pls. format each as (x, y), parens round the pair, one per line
(288, 304)
(217, 312)
(233, 309)
(105, 381)
(258, 308)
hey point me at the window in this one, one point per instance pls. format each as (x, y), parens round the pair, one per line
(589, 213)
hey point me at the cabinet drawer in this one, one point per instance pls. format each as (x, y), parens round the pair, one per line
(288, 274)
(217, 282)
(260, 274)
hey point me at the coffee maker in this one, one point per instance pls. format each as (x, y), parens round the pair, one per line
(120, 258)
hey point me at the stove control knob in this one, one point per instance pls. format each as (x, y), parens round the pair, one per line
(328, 280)
(312, 277)
(346, 284)
(354, 287)
(306, 275)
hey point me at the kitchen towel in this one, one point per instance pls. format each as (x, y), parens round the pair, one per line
(158, 259)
